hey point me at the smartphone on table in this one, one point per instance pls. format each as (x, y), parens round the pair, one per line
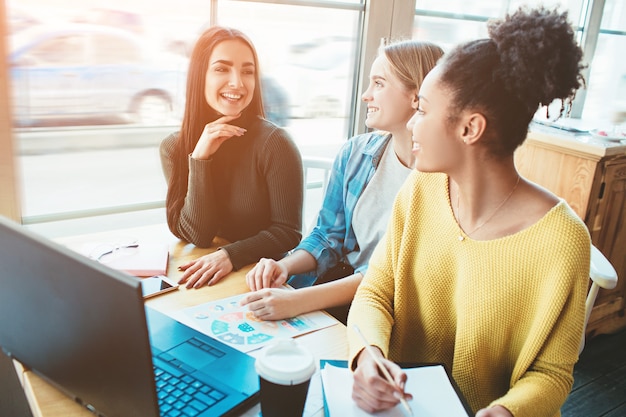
(156, 285)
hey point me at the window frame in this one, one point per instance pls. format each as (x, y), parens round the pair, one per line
(9, 195)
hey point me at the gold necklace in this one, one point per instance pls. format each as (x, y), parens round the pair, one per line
(458, 212)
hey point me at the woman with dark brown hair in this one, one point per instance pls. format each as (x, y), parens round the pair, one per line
(480, 269)
(230, 172)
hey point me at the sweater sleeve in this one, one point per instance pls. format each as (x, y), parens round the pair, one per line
(280, 165)
(197, 221)
(541, 384)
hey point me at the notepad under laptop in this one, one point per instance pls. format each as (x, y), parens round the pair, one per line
(84, 328)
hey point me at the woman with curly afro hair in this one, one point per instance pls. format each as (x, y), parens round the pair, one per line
(480, 269)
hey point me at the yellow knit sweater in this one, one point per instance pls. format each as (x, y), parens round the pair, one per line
(505, 315)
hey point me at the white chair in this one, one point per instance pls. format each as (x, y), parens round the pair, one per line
(602, 275)
(316, 176)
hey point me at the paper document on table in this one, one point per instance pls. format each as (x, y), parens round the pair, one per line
(314, 406)
(235, 325)
(433, 394)
(141, 259)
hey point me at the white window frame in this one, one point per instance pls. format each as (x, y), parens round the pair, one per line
(9, 196)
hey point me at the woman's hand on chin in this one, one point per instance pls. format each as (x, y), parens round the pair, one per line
(214, 134)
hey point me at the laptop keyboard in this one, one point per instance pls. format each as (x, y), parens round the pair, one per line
(183, 395)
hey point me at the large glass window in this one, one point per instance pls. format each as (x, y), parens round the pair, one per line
(312, 69)
(97, 85)
(449, 22)
(606, 93)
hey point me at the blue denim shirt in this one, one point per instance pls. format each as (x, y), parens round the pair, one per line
(333, 237)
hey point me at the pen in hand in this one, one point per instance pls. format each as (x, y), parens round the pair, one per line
(380, 365)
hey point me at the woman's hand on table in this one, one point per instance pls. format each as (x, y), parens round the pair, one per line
(267, 273)
(208, 269)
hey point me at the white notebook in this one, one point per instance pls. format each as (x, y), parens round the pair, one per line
(433, 394)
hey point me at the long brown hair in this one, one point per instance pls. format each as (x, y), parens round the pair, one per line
(198, 113)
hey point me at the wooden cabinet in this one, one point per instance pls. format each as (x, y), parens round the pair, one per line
(590, 174)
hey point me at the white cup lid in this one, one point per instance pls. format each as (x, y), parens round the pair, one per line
(285, 362)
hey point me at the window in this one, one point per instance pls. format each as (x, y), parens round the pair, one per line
(448, 22)
(314, 66)
(88, 124)
(63, 50)
(113, 50)
(606, 93)
(87, 127)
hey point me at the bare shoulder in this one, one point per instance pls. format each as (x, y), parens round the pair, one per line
(527, 205)
(533, 202)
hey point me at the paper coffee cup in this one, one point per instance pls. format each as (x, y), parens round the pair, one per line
(285, 369)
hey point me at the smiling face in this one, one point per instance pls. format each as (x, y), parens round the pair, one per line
(230, 77)
(389, 104)
(437, 145)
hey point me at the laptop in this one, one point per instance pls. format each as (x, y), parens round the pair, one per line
(84, 328)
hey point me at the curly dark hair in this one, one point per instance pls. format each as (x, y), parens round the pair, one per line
(530, 59)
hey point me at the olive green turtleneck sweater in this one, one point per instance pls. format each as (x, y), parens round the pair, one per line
(249, 192)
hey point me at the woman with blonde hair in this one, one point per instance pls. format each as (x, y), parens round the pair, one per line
(365, 177)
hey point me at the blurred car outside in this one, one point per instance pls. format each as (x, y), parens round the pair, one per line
(318, 77)
(20, 19)
(121, 19)
(81, 73)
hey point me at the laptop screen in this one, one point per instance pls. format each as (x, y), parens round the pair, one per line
(77, 323)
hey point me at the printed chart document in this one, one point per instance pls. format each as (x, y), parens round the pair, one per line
(236, 326)
(434, 394)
